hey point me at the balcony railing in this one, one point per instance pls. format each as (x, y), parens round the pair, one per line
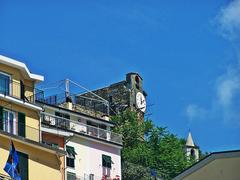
(21, 130)
(20, 91)
(80, 103)
(67, 124)
(71, 176)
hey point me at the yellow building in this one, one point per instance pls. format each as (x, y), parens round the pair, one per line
(219, 165)
(20, 122)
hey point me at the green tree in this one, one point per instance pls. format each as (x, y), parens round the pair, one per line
(146, 147)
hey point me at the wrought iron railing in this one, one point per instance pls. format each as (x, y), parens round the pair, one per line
(79, 102)
(20, 91)
(67, 124)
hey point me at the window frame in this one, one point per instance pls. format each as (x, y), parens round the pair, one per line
(70, 159)
(10, 81)
(7, 124)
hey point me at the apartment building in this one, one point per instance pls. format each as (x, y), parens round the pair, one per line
(93, 150)
(20, 123)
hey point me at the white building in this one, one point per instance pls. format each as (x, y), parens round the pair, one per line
(93, 150)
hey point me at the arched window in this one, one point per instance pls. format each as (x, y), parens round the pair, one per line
(192, 153)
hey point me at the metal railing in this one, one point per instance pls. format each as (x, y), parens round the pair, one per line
(72, 176)
(20, 129)
(67, 124)
(80, 102)
(20, 91)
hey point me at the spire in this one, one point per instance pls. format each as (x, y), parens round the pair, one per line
(189, 141)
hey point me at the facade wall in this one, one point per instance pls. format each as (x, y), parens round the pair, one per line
(89, 157)
(16, 76)
(220, 169)
(47, 137)
(42, 164)
(32, 119)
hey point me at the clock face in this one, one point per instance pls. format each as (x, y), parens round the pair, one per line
(141, 101)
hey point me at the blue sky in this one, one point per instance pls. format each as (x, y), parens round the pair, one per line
(187, 53)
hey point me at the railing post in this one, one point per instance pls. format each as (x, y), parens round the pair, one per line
(98, 132)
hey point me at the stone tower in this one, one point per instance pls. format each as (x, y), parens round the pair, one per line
(192, 150)
(128, 93)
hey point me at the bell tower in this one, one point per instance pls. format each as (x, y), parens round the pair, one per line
(192, 150)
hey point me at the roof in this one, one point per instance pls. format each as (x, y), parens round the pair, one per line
(208, 159)
(21, 66)
(189, 141)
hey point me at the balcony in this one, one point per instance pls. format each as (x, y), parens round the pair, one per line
(80, 128)
(20, 91)
(72, 176)
(13, 129)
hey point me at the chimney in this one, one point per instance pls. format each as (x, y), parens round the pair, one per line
(69, 104)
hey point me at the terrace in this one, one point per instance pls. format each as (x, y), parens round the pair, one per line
(49, 120)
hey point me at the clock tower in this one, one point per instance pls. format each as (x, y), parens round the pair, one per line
(137, 96)
(124, 94)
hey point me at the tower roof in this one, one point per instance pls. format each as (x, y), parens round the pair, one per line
(189, 141)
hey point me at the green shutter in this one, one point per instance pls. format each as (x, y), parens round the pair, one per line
(106, 161)
(21, 125)
(1, 118)
(23, 165)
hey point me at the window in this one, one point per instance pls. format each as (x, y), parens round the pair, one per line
(106, 161)
(70, 156)
(9, 121)
(5, 80)
(71, 176)
(192, 153)
(12, 122)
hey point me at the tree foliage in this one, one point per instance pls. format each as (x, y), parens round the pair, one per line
(147, 147)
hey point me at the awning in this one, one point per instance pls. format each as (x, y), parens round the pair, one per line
(107, 159)
(70, 151)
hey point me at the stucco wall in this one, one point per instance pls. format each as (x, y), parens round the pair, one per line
(220, 169)
(32, 119)
(89, 157)
(42, 164)
(16, 76)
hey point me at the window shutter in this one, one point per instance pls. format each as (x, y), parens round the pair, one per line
(23, 165)
(21, 124)
(106, 161)
(1, 118)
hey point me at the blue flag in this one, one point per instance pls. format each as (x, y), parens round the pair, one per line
(12, 166)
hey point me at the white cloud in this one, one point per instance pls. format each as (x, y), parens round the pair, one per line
(194, 112)
(225, 106)
(229, 20)
(228, 86)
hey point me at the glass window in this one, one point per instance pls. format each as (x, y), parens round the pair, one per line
(10, 123)
(71, 176)
(5, 80)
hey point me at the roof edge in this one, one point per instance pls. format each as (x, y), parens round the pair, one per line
(17, 64)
